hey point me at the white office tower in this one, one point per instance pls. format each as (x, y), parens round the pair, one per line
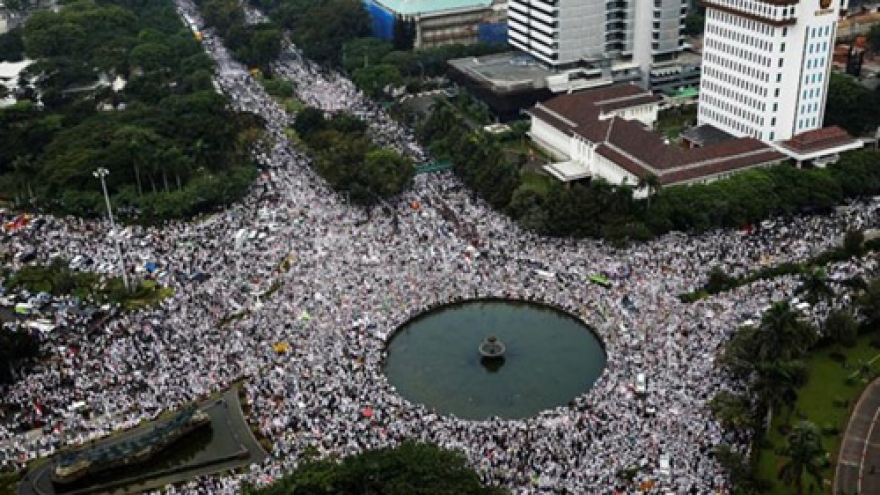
(570, 33)
(766, 65)
(559, 33)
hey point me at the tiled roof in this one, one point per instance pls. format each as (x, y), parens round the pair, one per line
(705, 134)
(583, 107)
(579, 112)
(641, 151)
(818, 139)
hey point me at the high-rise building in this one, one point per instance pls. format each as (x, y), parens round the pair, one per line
(573, 33)
(766, 65)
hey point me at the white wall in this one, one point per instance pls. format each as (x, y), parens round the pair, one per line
(548, 136)
(766, 81)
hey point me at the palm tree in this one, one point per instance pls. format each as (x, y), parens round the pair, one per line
(869, 301)
(733, 411)
(25, 169)
(782, 335)
(841, 327)
(777, 384)
(652, 183)
(815, 286)
(805, 456)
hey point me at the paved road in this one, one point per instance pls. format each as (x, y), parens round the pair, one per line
(38, 481)
(858, 465)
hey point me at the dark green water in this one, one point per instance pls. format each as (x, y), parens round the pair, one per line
(551, 358)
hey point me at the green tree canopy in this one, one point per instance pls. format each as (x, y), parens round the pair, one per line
(410, 469)
(805, 457)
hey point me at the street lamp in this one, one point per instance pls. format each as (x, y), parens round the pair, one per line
(101, 173)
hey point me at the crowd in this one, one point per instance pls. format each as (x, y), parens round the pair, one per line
(345, 280)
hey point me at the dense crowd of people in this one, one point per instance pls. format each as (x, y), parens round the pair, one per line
(342, 280)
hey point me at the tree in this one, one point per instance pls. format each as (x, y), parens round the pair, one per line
(308, 121)
(777, 383)
(841, 327)
(327, 26)
(853, 241)
(409, 469)
(869, 302)
(11, 46)
(694, 23)
(782, 335)
(814, 286)
(363, 52)
(719, 281)
(651, 183)
(874, 38)
(375, 78)
(733, 411)
(387, 173)
(15, 347)
(850, 105)
(805, 456)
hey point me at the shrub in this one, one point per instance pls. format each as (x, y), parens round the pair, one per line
(830, 429)
(837, 357)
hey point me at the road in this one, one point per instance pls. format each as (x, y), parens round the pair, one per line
(858, 464)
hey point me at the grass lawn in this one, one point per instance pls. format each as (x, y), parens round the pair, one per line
(538, 182)
(815, 403)
(671, 122)
(8, 483)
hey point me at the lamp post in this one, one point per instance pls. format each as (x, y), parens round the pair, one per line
(101, 173)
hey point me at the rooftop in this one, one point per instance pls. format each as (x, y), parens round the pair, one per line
(640, 150)
(706, 134)
(414, 7)
(506, 71)
(818, 139)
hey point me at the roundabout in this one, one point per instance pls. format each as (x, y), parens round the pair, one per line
(536, 358)
(315, 353)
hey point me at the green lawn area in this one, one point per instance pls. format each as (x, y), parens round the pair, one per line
(292, 105)
(671, 122)
(815, 403)
(8, 483)
(538, 182)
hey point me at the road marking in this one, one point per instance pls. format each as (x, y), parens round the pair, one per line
(865, 448)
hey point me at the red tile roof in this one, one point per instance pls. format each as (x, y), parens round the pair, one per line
(818, 139)
(641, 151)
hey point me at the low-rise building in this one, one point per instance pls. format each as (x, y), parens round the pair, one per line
(436, 22)
(608, 133)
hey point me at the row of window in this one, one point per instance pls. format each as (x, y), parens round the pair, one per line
(765, 45)
(812, 79)
(725, 120)
(811, 94)
(761, 8)
(818, 47)
(732, 108)
(730, 94)
(816, 63)
(748, 69)
(742, 22)
(752, 56)
(820, 32)
(810, 107)
(807, 124)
